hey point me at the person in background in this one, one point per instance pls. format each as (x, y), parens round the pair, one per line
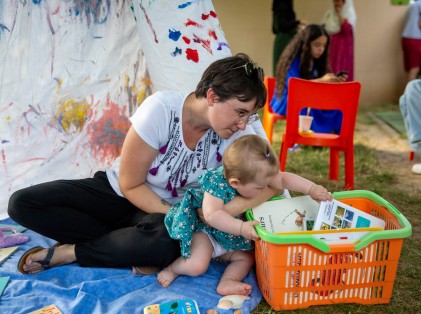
(284, 26)
(116, 218)
(340, 22)
(306, 57)
(249, 165)
(411, 40)
(410, 105)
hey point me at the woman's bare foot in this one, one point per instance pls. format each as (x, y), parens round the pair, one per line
(228, 286)
(64, 254)
(166, 277)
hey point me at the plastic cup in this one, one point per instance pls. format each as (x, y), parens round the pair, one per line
(305, 123)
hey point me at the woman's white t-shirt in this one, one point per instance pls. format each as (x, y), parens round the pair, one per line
(176, 168)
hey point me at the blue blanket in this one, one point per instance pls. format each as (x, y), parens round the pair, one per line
(75, 289)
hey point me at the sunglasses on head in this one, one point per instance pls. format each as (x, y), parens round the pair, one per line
(249, 69)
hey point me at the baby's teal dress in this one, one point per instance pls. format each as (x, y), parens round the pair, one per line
(182, 219)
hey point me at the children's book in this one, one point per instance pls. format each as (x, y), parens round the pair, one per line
(287, 214)
(6, 252)
(50, 309)
(3, 283)
(328, 221)
(173, 307)
(337, 215)
(9, 229)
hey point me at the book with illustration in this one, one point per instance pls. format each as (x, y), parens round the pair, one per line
(327, 220)
(173, 307)
(6, 252)
(3, 283)
(50, 309)
(338, 215)
(287, 214)
(9, 229)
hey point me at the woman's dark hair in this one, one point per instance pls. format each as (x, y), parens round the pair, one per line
(229, 79)
(300, 45)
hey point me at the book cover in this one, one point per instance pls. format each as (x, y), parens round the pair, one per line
(288, 214)
(173, 307)
(337, 215)
(9, 229)
(6, 252)
(50, 309)
(3, 283)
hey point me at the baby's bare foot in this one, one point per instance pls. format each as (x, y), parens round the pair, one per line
(166, 277)
(228, 286)
(62, 255)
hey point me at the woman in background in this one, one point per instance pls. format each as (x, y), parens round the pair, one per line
(284, 26)
(306, 57)
(340, 22)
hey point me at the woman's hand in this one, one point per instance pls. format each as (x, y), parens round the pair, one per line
(330, 77)
(240, 204)
(201, 215)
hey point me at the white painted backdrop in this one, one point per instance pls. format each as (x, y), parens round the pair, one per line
(72, 72)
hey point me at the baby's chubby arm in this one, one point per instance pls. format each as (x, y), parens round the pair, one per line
(293, 182)
(218, 218)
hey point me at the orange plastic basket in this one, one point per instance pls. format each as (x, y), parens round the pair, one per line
(307, 272)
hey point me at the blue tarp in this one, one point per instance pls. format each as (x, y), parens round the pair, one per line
(75, 289)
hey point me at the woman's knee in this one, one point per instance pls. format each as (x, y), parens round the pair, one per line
(16, 205)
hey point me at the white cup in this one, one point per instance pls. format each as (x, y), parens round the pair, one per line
(305, 123)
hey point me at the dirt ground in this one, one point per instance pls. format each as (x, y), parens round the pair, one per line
(392, 151)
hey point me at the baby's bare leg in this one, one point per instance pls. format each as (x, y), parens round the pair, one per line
(196, 265)
(239, 267)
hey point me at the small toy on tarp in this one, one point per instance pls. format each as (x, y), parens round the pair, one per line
(233, 301)
(230, 302)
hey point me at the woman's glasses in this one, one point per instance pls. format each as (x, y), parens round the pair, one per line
(244, 117)
(249, 119)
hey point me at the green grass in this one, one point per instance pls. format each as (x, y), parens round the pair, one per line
(370, 174)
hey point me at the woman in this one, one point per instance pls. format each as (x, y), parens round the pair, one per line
(306, 57)
(340, 22)
(284, 26)
(116, 218)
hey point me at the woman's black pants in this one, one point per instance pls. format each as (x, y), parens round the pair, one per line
(107, 230)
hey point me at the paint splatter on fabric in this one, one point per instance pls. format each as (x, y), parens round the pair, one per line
(65, 99)
(176, 64)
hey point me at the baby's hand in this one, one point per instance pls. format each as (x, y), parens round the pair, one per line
(319, 193)
(248, 231)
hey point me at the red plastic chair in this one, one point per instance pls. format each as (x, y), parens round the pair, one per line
(325, 96)
(270, 117)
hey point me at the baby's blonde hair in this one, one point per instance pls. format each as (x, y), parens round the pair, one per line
(247, 156)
